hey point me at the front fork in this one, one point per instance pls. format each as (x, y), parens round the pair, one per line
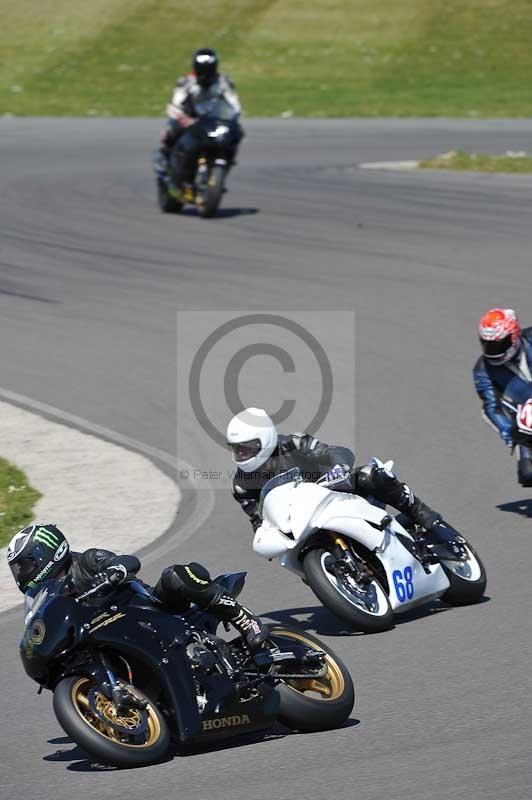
(347, 563)
(202, 175)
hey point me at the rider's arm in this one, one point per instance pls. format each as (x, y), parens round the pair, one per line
(180, 109)
(230, 94)
(96, 560)
(317, 456)
(247, 500)
(492, 410)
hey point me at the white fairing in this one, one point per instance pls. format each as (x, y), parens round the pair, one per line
(295, 510)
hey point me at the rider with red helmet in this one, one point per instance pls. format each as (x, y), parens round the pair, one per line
(503, 378)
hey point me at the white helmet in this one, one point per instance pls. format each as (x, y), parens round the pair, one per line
(252, 437)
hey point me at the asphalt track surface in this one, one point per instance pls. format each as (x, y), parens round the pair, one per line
(91, 278)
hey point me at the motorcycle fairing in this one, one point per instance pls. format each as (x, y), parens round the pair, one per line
(395, 558)
(305, 508)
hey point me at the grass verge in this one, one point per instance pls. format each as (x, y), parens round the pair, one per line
(325, 58)
(480, 162)
(17, 499)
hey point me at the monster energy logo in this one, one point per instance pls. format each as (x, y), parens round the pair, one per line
(47, 537)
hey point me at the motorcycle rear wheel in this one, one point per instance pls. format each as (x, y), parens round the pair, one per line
(100, 735)
(316, 704)
(467, 580)
(343, 602)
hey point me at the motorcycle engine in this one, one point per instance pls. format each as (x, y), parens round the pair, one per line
(201, 657)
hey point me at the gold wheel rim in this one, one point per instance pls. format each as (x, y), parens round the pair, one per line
(106, 707)
(330, 687)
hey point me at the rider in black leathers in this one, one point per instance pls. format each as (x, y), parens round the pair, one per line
(203, 83)
(315, 459)
(41, 552)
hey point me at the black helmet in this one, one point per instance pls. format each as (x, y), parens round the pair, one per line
(36, 554)
(205, 66)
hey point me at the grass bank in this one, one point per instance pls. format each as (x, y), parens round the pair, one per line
(17, 499)
(325, 58)
(479, 162)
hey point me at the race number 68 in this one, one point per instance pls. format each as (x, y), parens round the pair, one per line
(404, 584)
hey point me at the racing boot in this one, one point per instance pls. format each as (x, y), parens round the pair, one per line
(524, 466)
(422, 514)
(380, 482)
(250, 627)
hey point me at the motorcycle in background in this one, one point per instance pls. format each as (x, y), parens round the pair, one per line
(218, 132)
(522, 440)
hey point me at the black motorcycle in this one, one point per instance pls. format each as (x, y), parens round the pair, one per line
(130, 680)
(218, 133)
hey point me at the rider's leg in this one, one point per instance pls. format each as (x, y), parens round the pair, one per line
(386, 487)
(184, 159)
(169, 137)
(183, 583)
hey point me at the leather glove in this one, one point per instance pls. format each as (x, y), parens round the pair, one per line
(339, 477)
(114, 575)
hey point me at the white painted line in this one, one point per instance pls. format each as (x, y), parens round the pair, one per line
(101, 494)
(394, 165)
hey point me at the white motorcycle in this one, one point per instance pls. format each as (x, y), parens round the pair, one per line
(361, 563)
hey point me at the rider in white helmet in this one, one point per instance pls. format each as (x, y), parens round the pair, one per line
(260, 453)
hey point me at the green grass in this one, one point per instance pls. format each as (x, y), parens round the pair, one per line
(17, 499)
(323, 58)
(479, 162)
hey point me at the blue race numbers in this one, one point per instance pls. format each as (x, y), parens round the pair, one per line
(404, 584)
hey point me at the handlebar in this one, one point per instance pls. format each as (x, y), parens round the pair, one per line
(94, 589)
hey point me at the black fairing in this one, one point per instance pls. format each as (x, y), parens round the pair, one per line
(222, 144)
(129, 623)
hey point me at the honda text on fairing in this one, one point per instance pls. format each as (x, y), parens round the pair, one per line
(129, 679)
(362, 564)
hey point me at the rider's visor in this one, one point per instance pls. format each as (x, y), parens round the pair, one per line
(496, 349)
(243, 451)
(24, 569)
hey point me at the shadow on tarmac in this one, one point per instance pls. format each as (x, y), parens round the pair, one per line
(323, 623)
(522, 507)
(222, 213)
(80, 762)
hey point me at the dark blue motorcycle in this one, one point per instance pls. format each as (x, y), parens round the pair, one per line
(213, 139)
(130, 680)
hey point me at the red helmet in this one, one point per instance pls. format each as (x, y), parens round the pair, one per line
(500, 335)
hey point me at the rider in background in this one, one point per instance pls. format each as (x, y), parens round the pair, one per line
(39, 553)
(260, 453)
(503, 378)
(203, 83)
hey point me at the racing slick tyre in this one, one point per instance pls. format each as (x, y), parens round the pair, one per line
(167, 203)
(467, 579)
(313, 704)
(364, 608)
(210, 197)
(132, 738)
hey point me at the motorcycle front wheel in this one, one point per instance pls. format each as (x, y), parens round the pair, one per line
(211, 195)
(313, 704)
(364, 608)
(133, 737)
